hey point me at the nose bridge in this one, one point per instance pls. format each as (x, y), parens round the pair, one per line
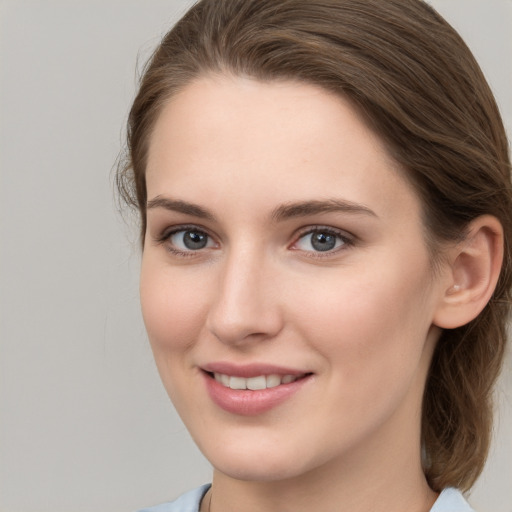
(244, 305)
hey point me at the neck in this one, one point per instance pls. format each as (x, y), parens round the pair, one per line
(325, 490)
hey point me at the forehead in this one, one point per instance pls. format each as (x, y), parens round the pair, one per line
(251, 112)
(285, 140)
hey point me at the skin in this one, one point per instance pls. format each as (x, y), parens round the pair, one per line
(360, 318)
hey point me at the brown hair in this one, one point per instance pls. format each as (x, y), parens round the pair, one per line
(418, 85)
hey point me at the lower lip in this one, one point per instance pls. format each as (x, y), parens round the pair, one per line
(248, 402)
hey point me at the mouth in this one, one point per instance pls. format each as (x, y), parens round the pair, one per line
(256, 383)
(254, 389)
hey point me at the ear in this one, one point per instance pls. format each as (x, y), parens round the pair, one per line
(473, 269)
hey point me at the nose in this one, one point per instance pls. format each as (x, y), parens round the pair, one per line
(246, 306)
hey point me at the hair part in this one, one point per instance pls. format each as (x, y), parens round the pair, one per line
(418, 86)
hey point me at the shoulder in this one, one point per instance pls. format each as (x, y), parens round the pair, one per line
(451, 500)
(188, 502)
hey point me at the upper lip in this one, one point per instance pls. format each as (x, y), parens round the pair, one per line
(250, 370)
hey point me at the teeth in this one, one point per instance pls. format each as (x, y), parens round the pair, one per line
(254, 383)
(237, 383)
(273, 381)
(223, 379)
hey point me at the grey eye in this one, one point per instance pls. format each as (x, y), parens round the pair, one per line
(319, 241)
(323, 241)
(190, 240)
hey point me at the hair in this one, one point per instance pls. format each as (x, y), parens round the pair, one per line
(418, 86)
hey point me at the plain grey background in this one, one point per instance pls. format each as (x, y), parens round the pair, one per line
(84, 422)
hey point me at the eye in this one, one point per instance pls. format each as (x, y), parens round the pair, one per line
(187, 240)
(321, 240)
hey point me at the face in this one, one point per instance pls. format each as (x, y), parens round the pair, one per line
(286, 285)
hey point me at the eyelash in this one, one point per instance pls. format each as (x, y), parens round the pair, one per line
(347, 240)
(166, 236)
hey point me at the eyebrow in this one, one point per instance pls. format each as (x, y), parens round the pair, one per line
(281, 213)
(305, 208)
(180, 207)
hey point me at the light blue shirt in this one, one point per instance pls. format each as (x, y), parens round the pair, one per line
(450, 500)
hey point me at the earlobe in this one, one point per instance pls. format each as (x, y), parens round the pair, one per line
(474, 268)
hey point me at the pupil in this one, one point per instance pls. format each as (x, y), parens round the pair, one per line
(194, 240)
(323, 241)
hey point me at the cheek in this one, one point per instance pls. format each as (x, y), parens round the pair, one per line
(370, 323)
(173, 307)
(372, 336)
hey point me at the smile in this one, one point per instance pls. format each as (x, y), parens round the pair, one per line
(255, 383)
(254, 389)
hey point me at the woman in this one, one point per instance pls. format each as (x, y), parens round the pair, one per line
(325, 203)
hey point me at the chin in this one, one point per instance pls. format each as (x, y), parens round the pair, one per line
(261, 471)
(249, 461)
(261, 462)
